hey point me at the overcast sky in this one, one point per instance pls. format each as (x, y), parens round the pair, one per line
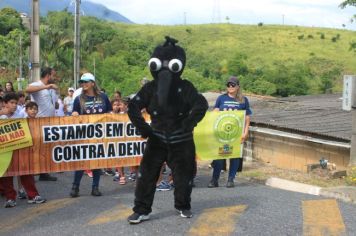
(323, 13)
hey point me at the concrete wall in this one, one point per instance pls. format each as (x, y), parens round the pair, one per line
(286, 151)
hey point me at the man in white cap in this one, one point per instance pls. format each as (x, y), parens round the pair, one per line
(68, 102)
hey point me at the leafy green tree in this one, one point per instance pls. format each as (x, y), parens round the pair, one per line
(56, 41)
(343, 5)
(348, 3)
(9, 20)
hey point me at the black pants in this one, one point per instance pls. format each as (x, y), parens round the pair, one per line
(180, 158)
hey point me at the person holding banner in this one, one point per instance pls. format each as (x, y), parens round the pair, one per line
(43, 92)
(27, 181)
(231, 100)
(90, 101)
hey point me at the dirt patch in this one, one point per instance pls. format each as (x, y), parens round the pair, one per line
(260, 172)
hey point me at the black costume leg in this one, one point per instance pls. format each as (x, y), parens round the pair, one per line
(150, 167)
(181, 160)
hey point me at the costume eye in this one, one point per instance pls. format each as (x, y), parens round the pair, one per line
(175, 65)
(155, 64)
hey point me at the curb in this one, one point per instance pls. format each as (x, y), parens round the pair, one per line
(293, 186)
(310, 189)
(338, 195)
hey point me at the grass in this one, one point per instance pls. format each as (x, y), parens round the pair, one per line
(260, 172)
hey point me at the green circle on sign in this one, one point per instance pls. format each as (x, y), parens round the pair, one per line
(227, 128)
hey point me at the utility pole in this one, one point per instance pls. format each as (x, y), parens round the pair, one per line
(35, 42)
(353, 139)
(349, 104)
(283, 19)
(20, 79)
(94, 65)
(77, 43)
(20, 58)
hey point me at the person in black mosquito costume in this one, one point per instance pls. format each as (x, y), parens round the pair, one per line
(175, 108)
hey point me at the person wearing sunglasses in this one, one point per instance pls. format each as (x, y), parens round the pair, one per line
(90, 101)
(231, 100)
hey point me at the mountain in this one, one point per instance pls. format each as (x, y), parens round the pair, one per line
(87, 8)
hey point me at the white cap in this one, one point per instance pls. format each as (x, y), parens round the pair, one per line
(87, 77)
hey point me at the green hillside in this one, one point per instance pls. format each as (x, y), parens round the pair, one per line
(269, 59)
(319, 52)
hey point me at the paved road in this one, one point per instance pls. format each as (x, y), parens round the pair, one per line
(248, 209)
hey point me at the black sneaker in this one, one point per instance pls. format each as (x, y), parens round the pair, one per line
(95, 192)
(75, 191)
(213, 183)
(185, 213)
(136, 218)
(47, 177)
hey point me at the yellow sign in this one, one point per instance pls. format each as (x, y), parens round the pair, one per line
(14, 134)
(5, 159)
(218, 135)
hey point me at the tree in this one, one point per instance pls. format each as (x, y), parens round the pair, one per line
(348, 3)
(9, 20)
(343, 5)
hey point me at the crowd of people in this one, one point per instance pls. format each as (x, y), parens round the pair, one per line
(42, 99)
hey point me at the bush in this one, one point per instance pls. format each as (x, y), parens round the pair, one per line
(351, 176)
(300, 37)
(310, 36)
(322, 36)
(260, 24)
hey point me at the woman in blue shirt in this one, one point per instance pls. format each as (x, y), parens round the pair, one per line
(90, 101)
(231, 100)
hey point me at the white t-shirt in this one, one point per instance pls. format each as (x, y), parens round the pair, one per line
(68, 101)
(45, 99)
(16, 114)
(21, 110)
(60, 111)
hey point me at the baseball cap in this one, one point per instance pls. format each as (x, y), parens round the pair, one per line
(233, 80)
(87, 77)
(71, 89)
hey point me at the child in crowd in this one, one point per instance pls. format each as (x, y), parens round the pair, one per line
(133, 169)
(28, 181)
(164, 185)
(119, 107)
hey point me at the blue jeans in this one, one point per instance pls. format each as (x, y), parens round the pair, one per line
(79, 174)
(218, 165)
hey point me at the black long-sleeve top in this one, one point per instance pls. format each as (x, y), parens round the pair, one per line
(174, 122)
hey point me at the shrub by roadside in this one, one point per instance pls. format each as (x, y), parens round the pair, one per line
(351, 176)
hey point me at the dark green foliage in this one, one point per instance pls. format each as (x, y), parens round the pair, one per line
(353, 46)
(300, 37)
(237, 65)
(260, 24)
(322, 36)
(348, 3)
(9, 20)
(310, 36)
